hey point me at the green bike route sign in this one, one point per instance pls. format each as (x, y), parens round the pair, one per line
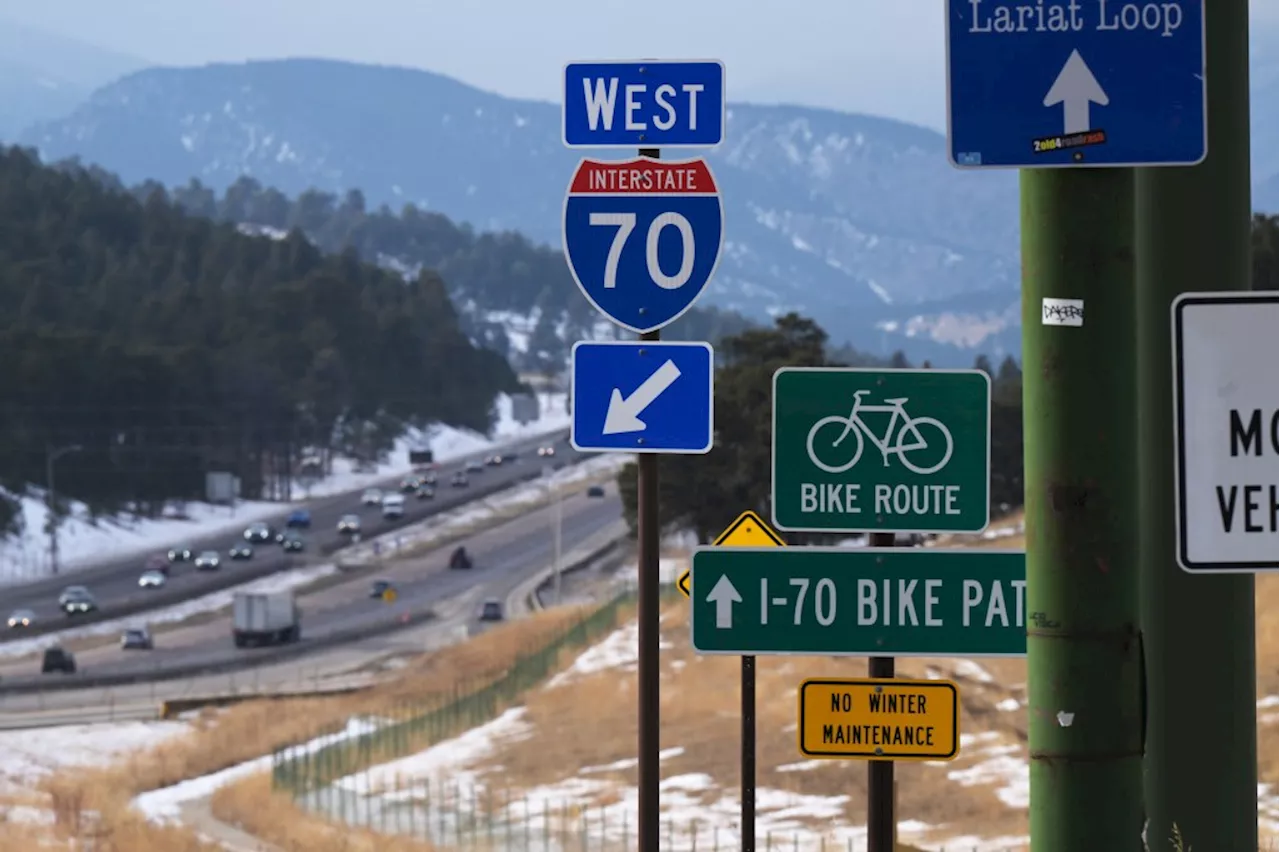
(881, 450)
(839, 601)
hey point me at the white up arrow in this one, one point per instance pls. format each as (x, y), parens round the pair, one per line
(623, 413)
(1075, 89)
(724, 596)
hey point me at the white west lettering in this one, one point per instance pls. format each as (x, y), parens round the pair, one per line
(661, 97)
(600, 102)
(633, 106)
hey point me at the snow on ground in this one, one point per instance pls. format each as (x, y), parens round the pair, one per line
(164, 805)
(419, 534)
(31, 755)
(618, 651)
(695, 813)
(83, 541)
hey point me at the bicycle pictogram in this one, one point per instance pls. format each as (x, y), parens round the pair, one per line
(910, 437)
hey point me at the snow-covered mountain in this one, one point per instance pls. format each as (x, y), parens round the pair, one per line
(855, 220)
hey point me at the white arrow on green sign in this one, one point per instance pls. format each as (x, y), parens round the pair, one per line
(854, 602)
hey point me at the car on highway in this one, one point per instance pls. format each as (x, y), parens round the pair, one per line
(20, 618)
(58, 659)
(474, 466)
(158, 562)
(349, 525)
(78, 603)
(71, 592)
(393, 506)
(546, 451)
(299, 519)
(208, 560)
(494, 460)
(241, 551)
(428, 478)
(151, 580)
(595, 491)
(410, 484)
(379, 588)
(258, 533)
(292, 544)
(460, 560)
(180, 554)
(371, 497)
(459, 480)
(426, 492)
(137, 639)
(491, 610)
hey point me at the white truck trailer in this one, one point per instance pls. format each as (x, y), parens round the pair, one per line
(272, 618)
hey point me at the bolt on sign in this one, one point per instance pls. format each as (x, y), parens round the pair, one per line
(881, 450)
(872, 602)
(879, 719)
(747, 531)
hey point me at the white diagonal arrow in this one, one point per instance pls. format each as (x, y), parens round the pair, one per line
(623, 413)
(724, 596)
(1075, 89)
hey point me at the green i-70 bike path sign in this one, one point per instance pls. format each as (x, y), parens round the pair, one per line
(881, 450)
(893, 601)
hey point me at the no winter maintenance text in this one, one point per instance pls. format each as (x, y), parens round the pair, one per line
(1042, 17)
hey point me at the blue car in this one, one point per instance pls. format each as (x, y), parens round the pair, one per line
(299, 518)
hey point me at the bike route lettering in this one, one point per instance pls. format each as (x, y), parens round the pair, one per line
(842, 601)
(878, 719)
(881, 450)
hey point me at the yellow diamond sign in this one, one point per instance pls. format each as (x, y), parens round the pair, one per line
(747, 531)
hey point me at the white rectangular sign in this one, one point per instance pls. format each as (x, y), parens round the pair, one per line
(1226, 347)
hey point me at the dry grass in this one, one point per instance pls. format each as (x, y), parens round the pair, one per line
(275, 817)
(592, 719)
(95, 802)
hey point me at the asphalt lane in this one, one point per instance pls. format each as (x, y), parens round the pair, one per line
(502, 557)
(116, 582)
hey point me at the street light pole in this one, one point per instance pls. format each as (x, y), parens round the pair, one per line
(51, 456)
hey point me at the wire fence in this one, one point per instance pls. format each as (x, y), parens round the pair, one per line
(472, 818)
(410, 728)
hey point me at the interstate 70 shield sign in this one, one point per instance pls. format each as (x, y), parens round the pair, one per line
(642, 237)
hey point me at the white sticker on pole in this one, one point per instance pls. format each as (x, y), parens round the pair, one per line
(1062, 312)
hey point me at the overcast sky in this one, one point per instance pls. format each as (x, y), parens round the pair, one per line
(878, 56)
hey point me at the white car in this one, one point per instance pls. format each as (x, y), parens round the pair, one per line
(372, 497)
(393, 506)
(151, 580)
(349, 525)
(546, 451)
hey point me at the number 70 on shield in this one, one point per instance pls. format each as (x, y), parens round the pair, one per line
(643, 237)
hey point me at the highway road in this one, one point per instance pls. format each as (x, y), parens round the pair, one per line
(503, 557)
(115, 584)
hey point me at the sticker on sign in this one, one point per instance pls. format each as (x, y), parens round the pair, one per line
(1227, 431)
(879, 719)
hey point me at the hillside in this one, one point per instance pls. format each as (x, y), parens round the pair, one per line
(44, 76)
(848, 216)
(163, 345)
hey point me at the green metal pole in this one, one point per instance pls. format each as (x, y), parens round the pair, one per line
(1193, 234)
(1083, 660)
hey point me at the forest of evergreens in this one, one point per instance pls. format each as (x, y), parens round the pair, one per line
(165, 345)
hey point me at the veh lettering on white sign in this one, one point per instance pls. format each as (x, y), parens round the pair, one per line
(1227, 431)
